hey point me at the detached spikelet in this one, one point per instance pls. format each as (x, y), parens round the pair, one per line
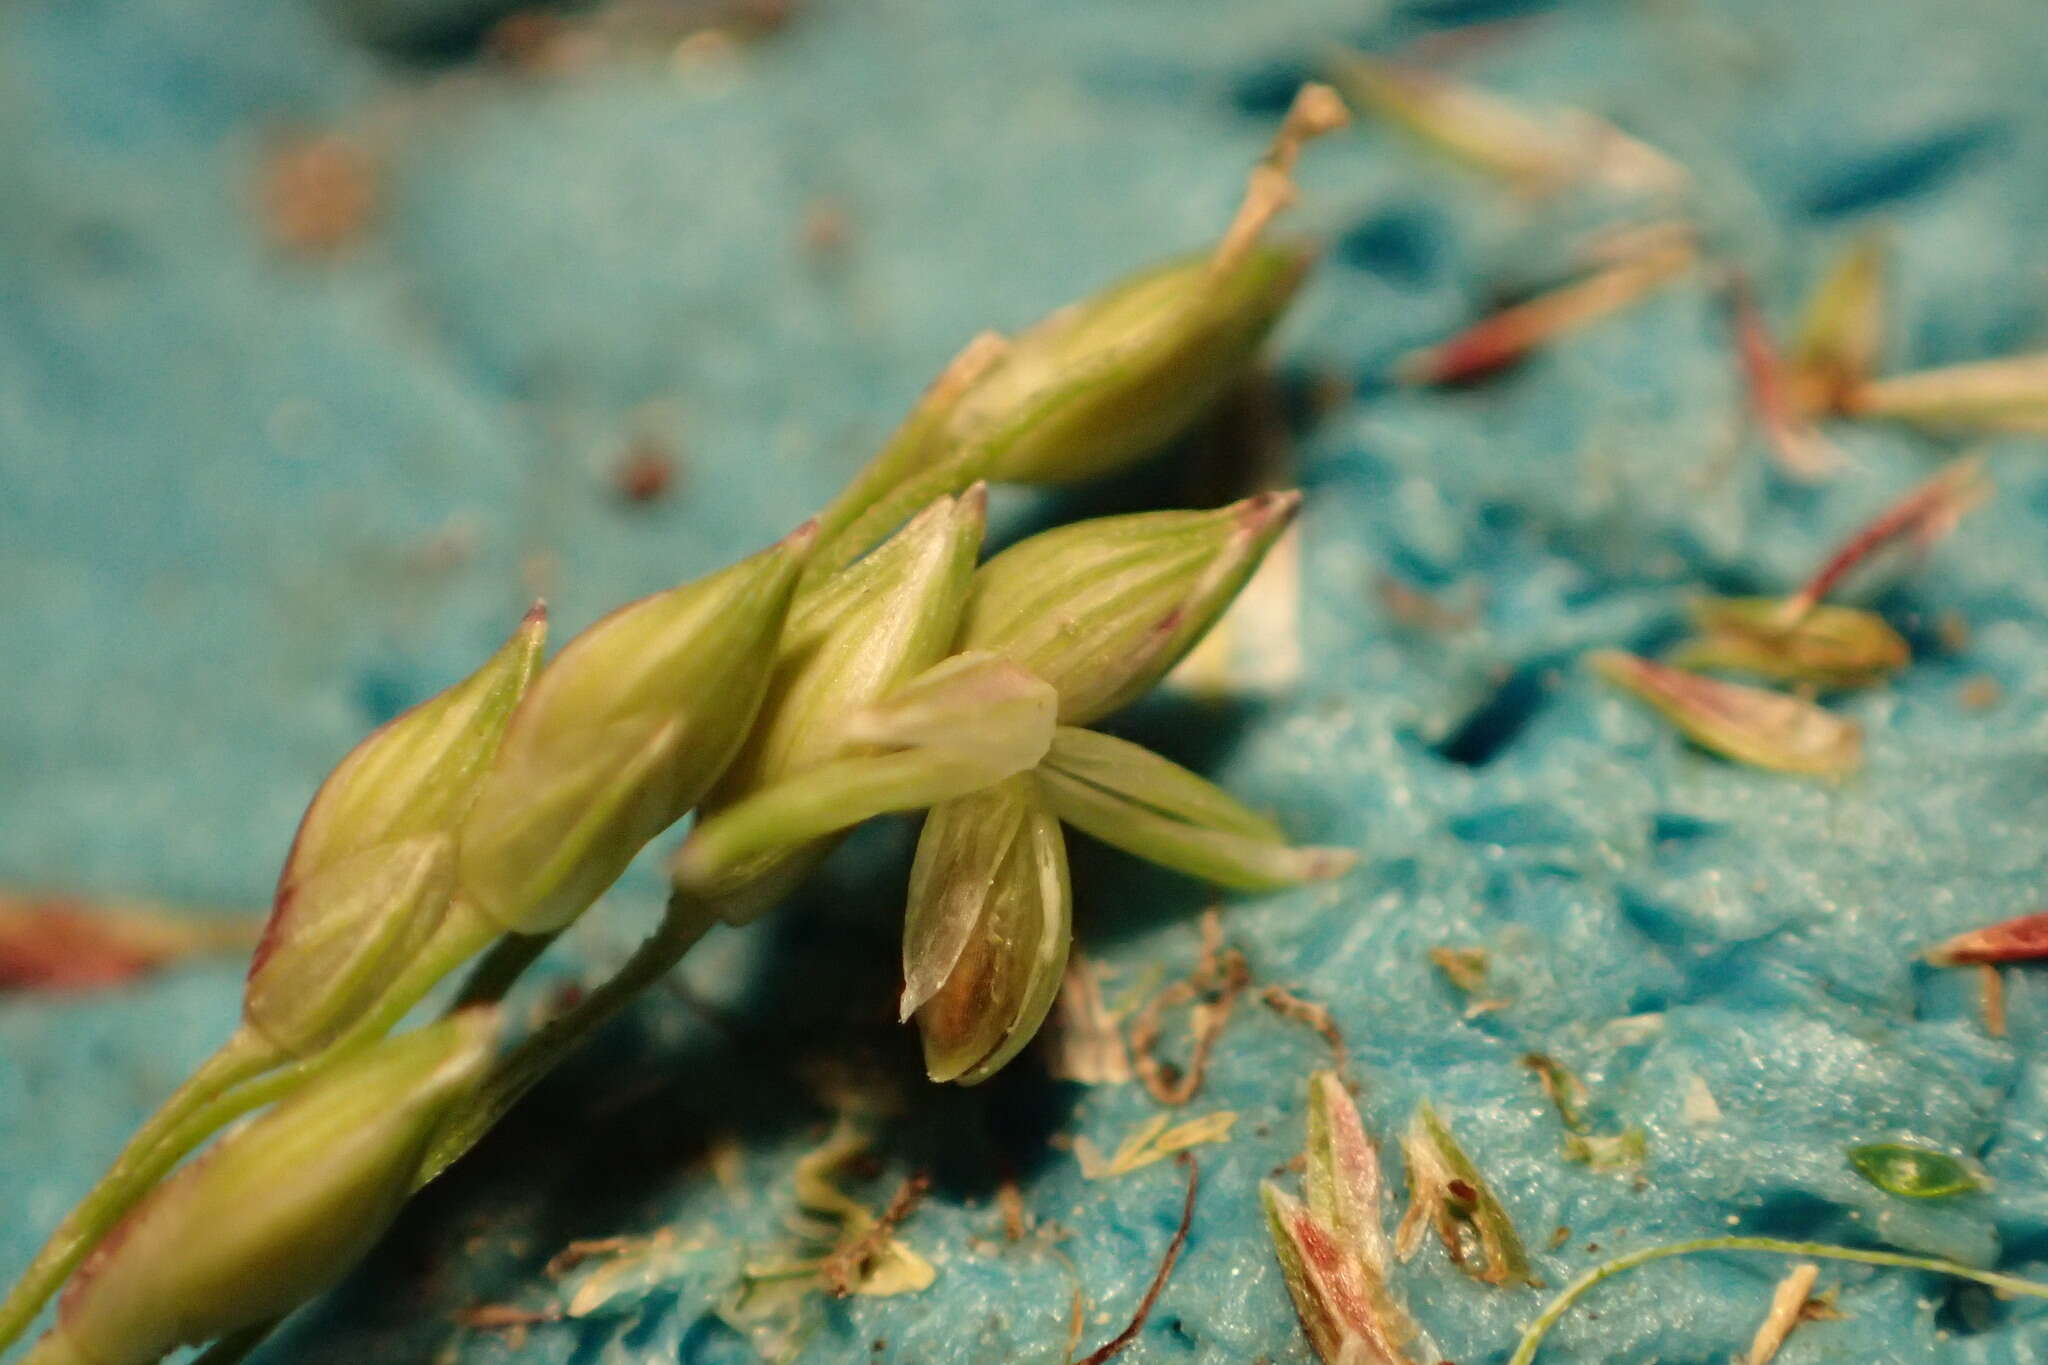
(1334, 1252)
(1445, 1189)
(1922, 518)
(2009, 394)
(1747, 724)
(1534, 153)
(1843, 332)
(58, 943)
(1828, 646)
(1495, 343)
(2022, 939)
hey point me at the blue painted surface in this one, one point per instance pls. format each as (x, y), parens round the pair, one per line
(222, 476)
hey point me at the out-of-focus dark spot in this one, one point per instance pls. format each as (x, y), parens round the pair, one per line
(1177, 1328)
(1266, 90)
(1355, 470)
(1896, 172)
(382, 693)
(1458, 13)
(645, 472)
(1968, 1309)
(1418, 570)
(1401, 246)
(710, 1340)
(105, 249)
(1128, 75)
(1648, 1000)
(1495, 723)
(1514, 826)
(1668, 826)
(1502, 518)
(1792, 494)
(1653, 920)
(1796, 1214)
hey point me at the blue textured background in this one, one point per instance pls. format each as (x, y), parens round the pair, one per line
(223, 473)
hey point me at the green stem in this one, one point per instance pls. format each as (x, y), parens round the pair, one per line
(501, 967)
(686, 920)
(1532, 1339)
(154, 1149)
(234, 1348)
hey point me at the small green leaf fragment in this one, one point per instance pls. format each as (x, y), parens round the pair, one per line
(1914, 1172)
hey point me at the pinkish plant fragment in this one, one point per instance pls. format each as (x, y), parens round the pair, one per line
(1334, 1251)
(1494, 343)
(1921, 518)
(1802, 452)
(1747, 724)
(2022, 939)
(60, 943)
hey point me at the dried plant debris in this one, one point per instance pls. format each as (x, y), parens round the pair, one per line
(319, 194)
(1747, 724)
(1583, 1142)
(1219, 978)
(1534, 152)
(1174, 1246)
(1920, 519)
(2023, 938)
(1774, 392)
(1911, 1171)
(2008, 394)
(1842, 333)
(1288, 1005)
(1317, 110)
(1333, 1249)
(1467, 969)
(62, 943)
(1446, 1191)
(1787, 1311)
(852, 1265)
(1991, 999)
(1152, 1141)
(855, 1251)
(1083, 1040)
(1496, 342)
(1827, 646)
